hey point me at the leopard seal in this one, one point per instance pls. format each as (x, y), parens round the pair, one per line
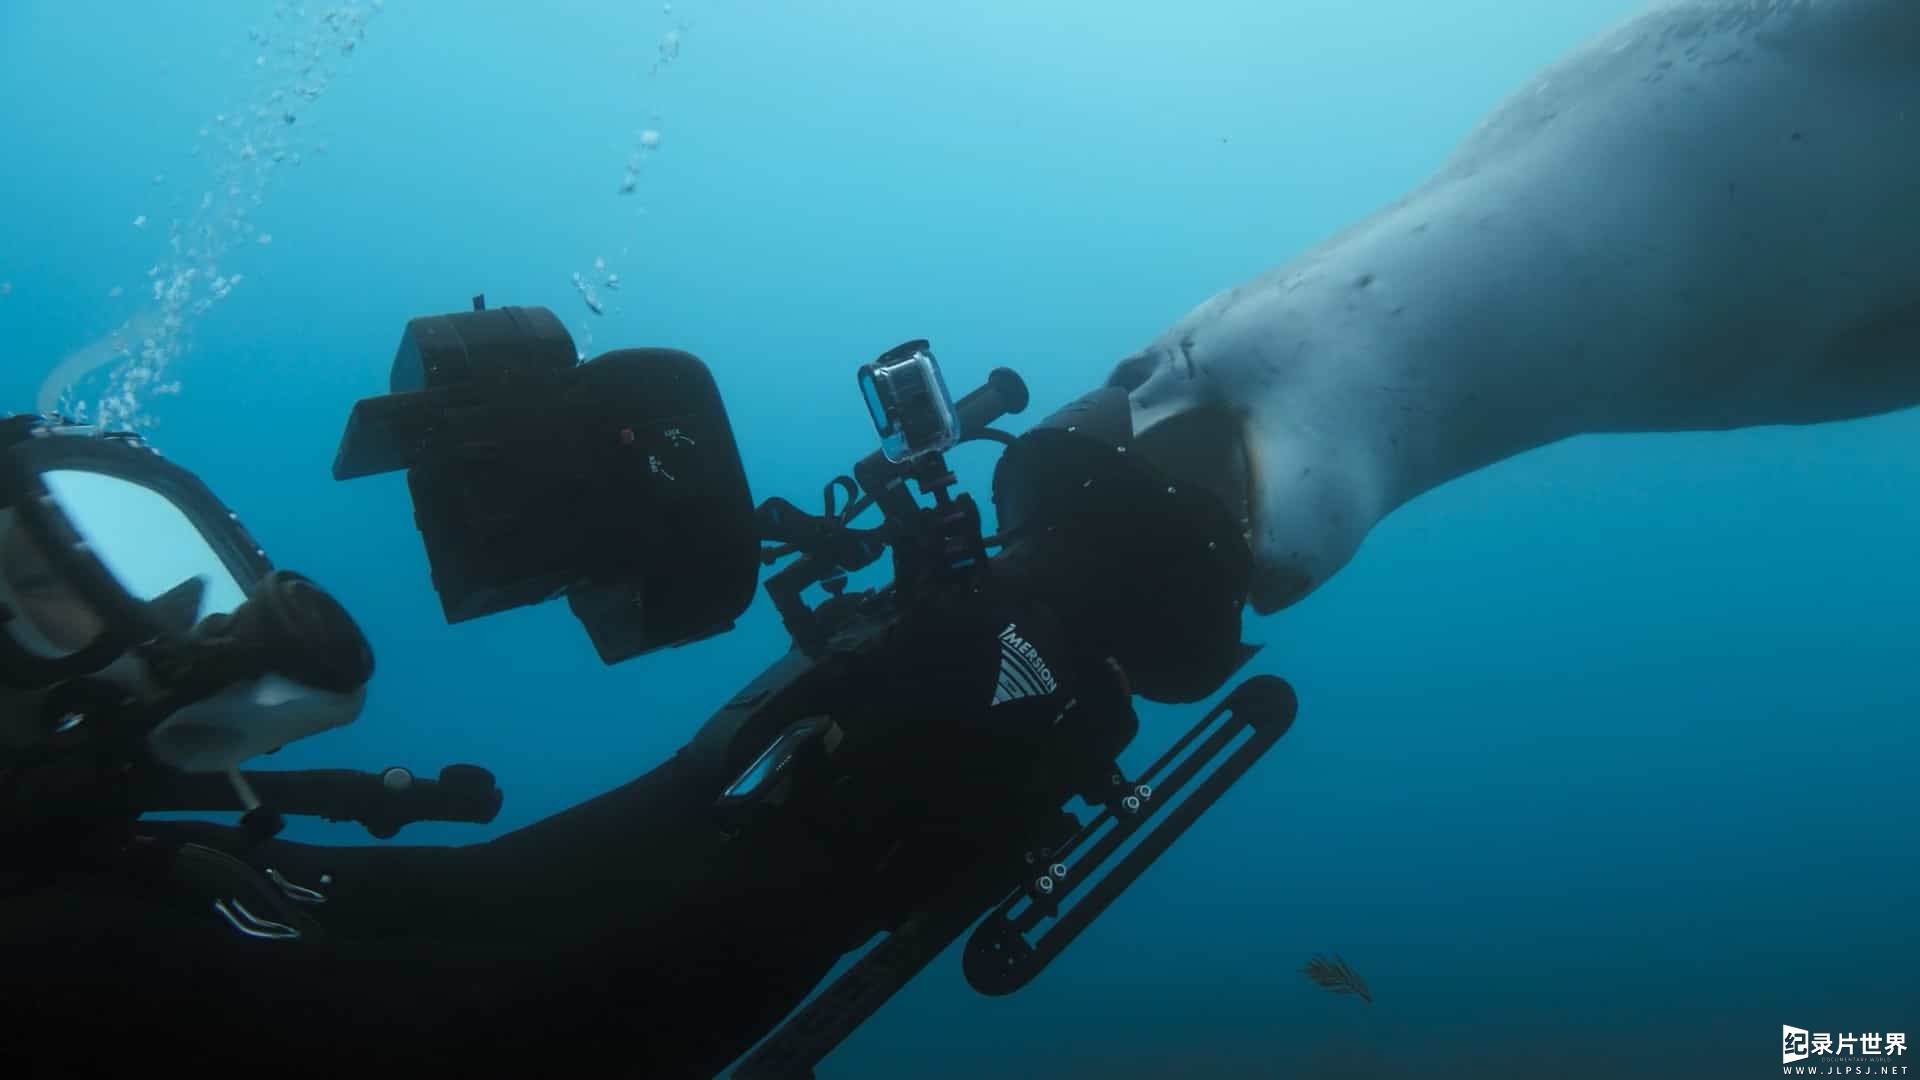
(1705, 218)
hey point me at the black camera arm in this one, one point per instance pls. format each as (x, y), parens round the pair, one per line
(929, 543)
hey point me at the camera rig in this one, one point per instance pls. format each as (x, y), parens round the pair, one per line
(616, 482)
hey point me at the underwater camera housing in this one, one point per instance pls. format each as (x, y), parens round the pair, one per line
(615, 481)
(912, 410)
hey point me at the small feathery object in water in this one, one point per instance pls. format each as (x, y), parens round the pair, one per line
(1334, 975)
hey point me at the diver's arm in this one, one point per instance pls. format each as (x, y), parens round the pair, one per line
(631, 927)
(672, 950)
(637, 926)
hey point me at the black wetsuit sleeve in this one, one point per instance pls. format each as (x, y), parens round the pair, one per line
(629, 935)
(623, 939)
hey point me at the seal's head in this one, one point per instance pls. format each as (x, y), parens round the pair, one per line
(1267, 441)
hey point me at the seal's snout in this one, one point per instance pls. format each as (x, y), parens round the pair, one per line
(1190, 435)
(1278, 586)
(1132, 373)
(1285, 498)
(1200, 445)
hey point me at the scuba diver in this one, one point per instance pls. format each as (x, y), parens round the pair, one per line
(903, 771)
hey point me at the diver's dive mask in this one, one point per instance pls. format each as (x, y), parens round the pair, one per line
(137, 613)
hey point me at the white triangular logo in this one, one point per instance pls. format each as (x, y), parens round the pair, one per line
(1023, 673)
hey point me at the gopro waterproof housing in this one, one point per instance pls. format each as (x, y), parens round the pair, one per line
(615, 482)
(907, 395)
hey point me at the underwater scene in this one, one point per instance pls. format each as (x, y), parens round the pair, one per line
(1473, 442)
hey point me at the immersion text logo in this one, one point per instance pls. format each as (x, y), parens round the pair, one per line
(1869, 1053)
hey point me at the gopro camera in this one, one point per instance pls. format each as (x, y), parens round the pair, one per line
(907, 395)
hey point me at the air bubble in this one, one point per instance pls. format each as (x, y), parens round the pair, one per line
(296, 62)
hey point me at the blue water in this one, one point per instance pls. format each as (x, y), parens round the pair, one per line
(1606, 758)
